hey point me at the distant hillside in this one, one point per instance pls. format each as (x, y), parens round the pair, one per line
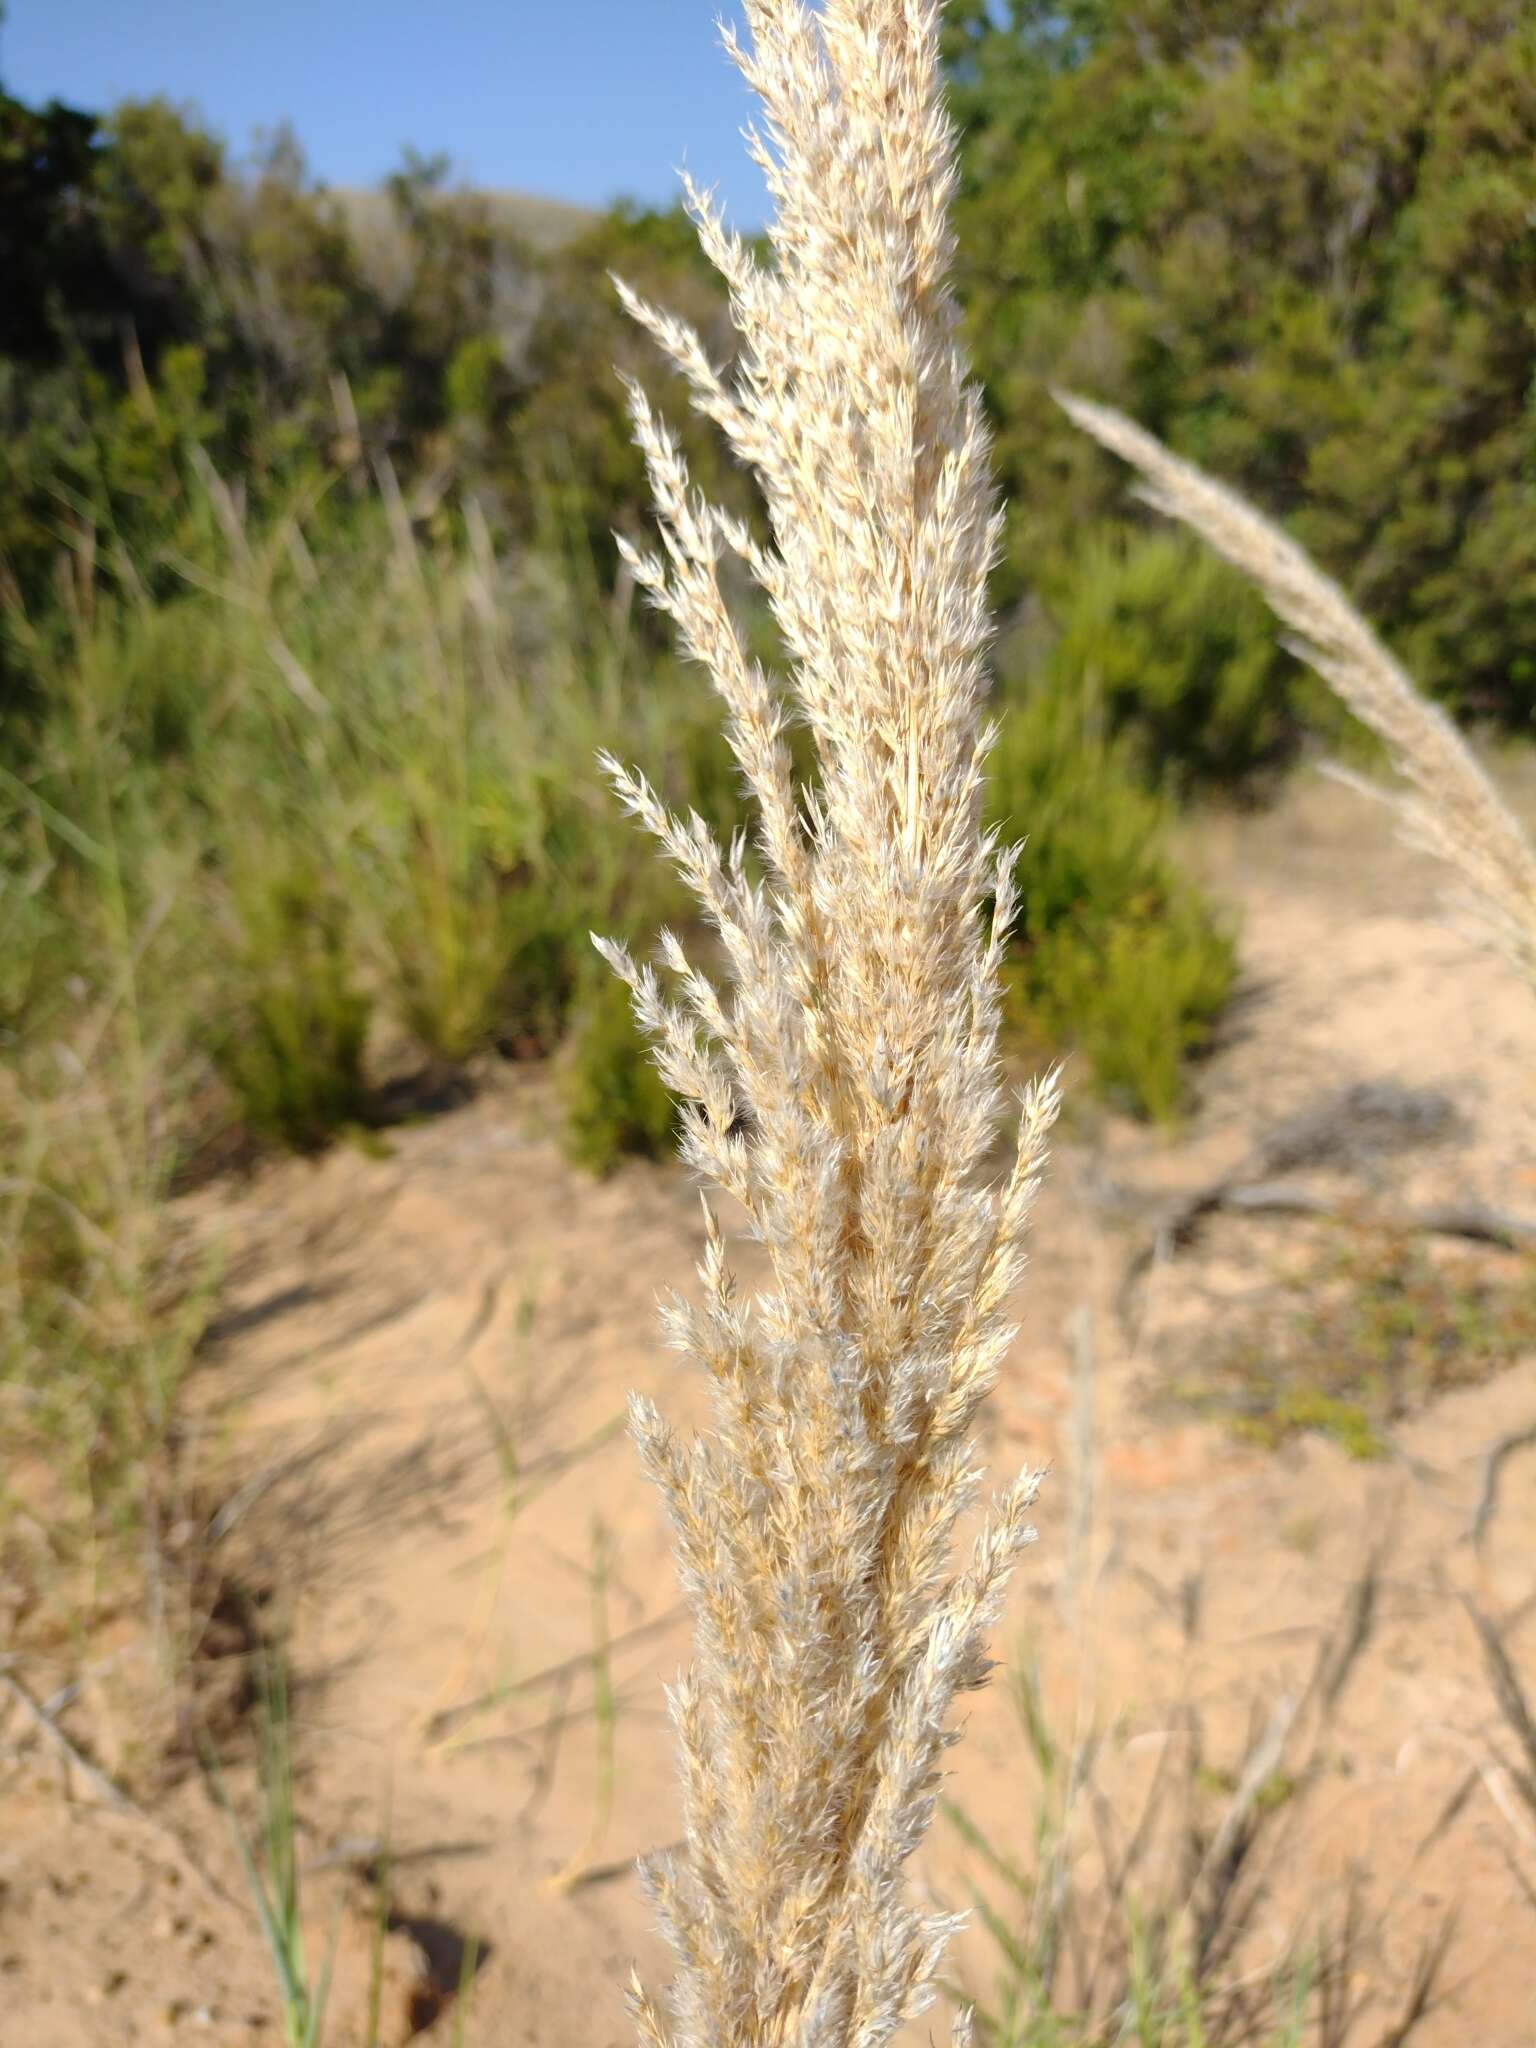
(542, 223)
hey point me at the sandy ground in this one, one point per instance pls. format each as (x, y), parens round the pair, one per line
(411, 1403)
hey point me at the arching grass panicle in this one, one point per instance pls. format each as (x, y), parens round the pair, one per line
(1448, 804)
(842, 1076)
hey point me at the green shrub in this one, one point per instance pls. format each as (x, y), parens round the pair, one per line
(446, 908)
(483, 903)
(613, 1097)
(1138, 991)
(1116, 950)
(448, 955)
(470, 381)
(290, 1043)
(1160, 642)
(1222, 222)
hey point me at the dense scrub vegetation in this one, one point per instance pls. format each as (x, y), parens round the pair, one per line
(1297, 243)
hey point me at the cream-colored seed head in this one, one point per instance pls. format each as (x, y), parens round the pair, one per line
(1449, 806)
(857, 1025)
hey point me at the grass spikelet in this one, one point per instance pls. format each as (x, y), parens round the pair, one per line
(841, 1080)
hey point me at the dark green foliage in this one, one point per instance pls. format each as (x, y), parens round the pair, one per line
(1138, 990)
(1158, 640)
(569, 420)
(613, 1098)
(49, 255)
(1300, 244)
(414, 323)
(1117, 951)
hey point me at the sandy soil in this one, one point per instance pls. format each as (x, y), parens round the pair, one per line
(411, 1400)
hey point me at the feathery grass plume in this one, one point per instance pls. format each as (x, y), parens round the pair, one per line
(1450, 806)
(843, 1083)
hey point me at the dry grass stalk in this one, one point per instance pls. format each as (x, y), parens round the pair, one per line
(1450, 807)
(844, 1084)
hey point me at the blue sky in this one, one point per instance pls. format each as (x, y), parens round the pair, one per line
(579, 99)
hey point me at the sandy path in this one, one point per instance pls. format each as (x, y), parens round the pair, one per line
(416, 1383)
